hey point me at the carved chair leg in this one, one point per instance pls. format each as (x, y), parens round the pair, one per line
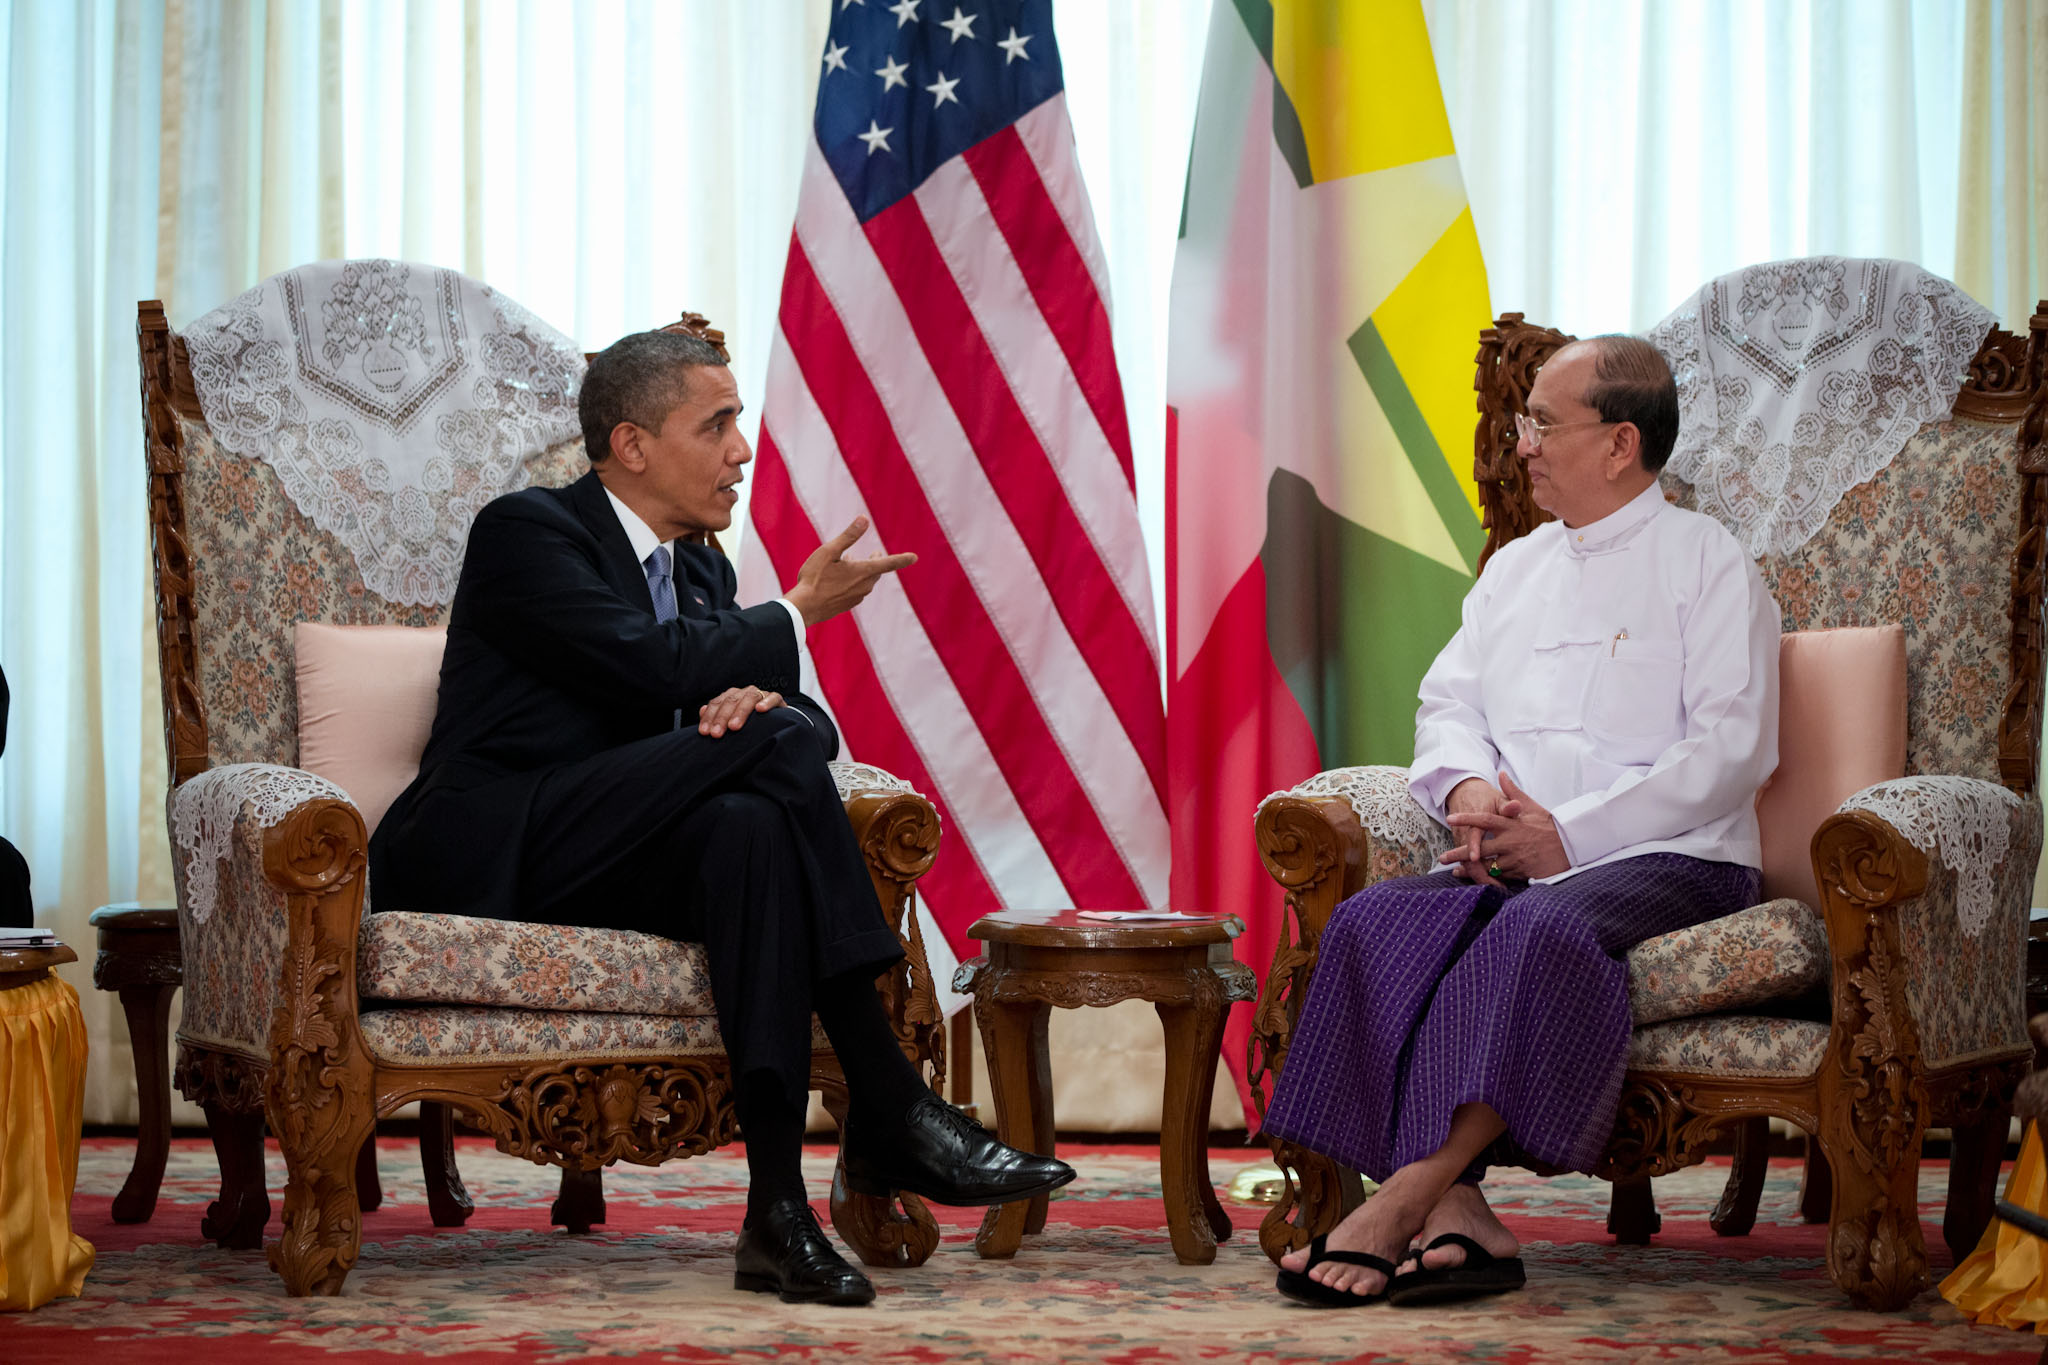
(1816, 1184)
(1875, 1252)
(323, 1219)
(882, 1232)
(236, 1220)
(1313, 1187)
(148, 1007)
(1632, 1212)
(580, 1204)
(1976, 1150)
(448, 1201)
(1736, 1213)
(369, 1189)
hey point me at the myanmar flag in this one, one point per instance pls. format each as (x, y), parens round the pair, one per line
(1322, 524)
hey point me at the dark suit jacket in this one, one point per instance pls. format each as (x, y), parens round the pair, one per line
(554, 656)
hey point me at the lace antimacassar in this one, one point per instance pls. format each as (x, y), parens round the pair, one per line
(1380, 797)
(862, 777)
(1799, 380)
(1965, 822)
(204, 810)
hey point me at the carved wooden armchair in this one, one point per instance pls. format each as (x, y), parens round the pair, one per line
(1925, 1024)
(302, 1010)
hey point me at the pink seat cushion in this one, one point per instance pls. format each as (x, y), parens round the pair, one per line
(366, 703)
(1841, 727)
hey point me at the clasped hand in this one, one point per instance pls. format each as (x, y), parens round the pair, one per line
(1503, 833)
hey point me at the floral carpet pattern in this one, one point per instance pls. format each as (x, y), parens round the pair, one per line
(1099, 1286)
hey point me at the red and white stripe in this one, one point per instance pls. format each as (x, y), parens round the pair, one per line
(947, 369)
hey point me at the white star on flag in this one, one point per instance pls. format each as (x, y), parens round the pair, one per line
(845, 5)
(891, 71)
(835, 57)
(960, 25)
(1014, 46)
(905, 11)
(876, 138)
(943, 91)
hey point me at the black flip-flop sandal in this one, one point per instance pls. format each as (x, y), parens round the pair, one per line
(1481, 1274)
(1297, 1285)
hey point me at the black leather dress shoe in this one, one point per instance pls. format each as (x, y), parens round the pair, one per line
(946, 1157)
(784, 1251)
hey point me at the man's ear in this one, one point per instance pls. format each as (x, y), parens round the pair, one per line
(1627, 452)
(626, 451)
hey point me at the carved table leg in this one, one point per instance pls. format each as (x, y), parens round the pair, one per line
(1736, 1213)
(1193, 1033)
(1632, 1212)
(236, 1220)
(580, 1204)
(1975, 1152)
(1013, 1037)
(369, 1189)
(1816, 1184)
(148, 1008)
(448, 1202)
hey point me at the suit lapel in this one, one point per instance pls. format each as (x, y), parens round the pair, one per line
(615, 551)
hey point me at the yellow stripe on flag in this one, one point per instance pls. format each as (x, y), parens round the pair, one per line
(1362, 80)
(1429, 324)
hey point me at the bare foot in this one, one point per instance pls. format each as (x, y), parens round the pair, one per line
(1463, 1209)
(1383, 1226)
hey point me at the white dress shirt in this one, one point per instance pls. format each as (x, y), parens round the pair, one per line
(645, 543)
(1625, 675)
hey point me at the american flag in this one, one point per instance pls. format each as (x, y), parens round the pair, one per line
(942, 362)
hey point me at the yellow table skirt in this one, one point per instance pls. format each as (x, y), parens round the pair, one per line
(42, 1103)
(2004, 1282)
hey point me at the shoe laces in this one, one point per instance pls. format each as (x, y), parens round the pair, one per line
(960, 1123)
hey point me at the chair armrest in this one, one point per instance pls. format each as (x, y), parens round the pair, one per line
(897, 830)
(1324, 841)
(270, 897)
(1927, 885)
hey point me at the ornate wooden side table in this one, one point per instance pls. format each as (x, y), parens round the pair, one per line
(1034, 961)
(140, 960)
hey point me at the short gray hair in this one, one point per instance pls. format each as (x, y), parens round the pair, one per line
(1632, 383)
(639, 379)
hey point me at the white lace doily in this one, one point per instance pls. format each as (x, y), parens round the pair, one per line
(203, 815)
(1965, 822)
(1800, 379)
(1380, 796)
(393, 401)
(860, 777)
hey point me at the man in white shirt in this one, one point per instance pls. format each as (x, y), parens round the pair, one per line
(1594, 735)
(619, 744)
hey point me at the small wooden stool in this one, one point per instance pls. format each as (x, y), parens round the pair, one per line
(1036, 960)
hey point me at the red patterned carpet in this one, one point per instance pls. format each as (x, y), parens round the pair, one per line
(1100, 1286)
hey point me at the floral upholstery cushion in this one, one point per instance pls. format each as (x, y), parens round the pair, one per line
(233, 959)
(1967, 991)
(460, 1034)
(461, 960)
(1730, 1045)
(258, 567)
(1774, 951)
(1927, 542)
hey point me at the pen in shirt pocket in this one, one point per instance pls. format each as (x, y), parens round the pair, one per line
(1615, 643)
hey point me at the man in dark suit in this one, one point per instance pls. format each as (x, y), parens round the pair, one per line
(618, 745)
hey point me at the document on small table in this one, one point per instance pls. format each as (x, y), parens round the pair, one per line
(27, 938)
(1114, 915)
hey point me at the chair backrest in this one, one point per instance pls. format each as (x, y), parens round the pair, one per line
(237, 565)
(1947, 540)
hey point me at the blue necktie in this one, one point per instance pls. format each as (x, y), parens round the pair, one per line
(661, 584)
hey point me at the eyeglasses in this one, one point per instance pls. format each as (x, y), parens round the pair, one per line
(1533, 431)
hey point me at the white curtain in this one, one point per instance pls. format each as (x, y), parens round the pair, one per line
(1620, 154)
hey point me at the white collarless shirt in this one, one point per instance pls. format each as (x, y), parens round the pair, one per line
(1625, 675)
